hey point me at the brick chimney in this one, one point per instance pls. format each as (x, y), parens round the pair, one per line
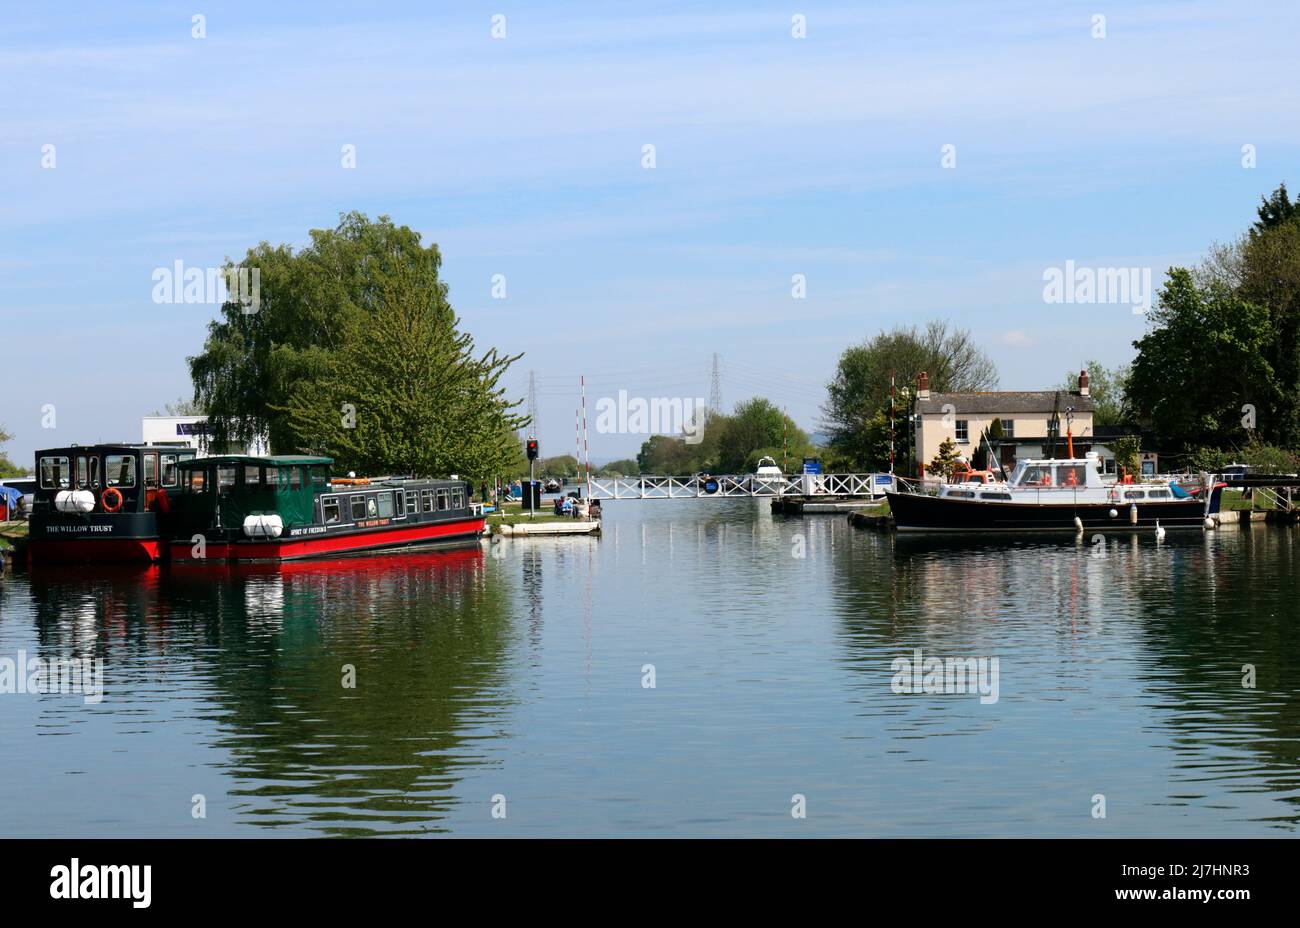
(923, 386)
(1084, 390)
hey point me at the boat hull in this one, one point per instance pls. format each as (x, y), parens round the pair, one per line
(914, 512)
(364, 541)
(91, 537)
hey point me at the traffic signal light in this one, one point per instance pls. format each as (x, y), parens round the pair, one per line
(532, 449)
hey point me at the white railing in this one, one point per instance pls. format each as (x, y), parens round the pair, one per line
(730, 485)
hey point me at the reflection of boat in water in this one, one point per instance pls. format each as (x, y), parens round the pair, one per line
(1053, 495)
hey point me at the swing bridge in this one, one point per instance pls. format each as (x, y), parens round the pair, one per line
(709, 486)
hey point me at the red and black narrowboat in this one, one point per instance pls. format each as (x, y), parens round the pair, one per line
(239, 508)
(102, 502)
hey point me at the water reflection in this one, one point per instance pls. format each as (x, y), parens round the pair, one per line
(344, 692)
(517, 669)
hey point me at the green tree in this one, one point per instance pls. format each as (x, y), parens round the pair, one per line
(565, 465)
(860, 389)
(945, 462)
(620, 468)
(1128, 454)
(1106, 386)
(7, 467)
(354, 351)
(758, 424)
(1202, 360)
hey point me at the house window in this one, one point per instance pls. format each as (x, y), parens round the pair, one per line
(963, 431)
(1008, 428)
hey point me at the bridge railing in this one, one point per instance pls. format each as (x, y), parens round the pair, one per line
(733, 485)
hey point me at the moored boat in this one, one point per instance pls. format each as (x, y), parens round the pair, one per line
(1054, 495)
(102, 502)
(240, 508)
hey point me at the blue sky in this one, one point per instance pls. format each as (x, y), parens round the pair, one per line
(522, 156)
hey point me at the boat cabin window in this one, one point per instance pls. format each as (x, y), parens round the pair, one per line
(358, 508)
(150, 468)
(372, 508)
(54, 473)
(1072, 475)
(385, 501)
(1158, 494)
(169, 473)
(458, 498)
(1135, 494)
(1036, 475)
(442, 500)
(225, 477)
(412, 502)
(87, 473)
(198, 481)
(320, 475)
(995, 496)
(962, 494)
(119, 470)
(330, 509)
(426, 500)
(252, 476)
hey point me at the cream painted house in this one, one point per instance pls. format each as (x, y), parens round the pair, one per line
(1025, 417)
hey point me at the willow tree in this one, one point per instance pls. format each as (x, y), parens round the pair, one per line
(354, 351)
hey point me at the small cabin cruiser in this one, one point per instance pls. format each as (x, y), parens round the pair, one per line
(239, 508)
(1054, 495)
(102, 502)
(767, 467)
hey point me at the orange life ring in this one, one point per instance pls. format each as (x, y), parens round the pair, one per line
(117, 499)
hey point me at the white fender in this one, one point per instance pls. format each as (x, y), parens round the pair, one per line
(263, 526)
(74, 501)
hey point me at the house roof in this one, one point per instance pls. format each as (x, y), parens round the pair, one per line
(1036, 401)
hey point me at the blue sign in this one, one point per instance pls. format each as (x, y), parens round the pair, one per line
(812, 466)
(884, 480)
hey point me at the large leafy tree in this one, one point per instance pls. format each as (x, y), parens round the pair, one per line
(757, 425)
(1107, 388)
(860, 390)
(355, 352)
(1203, 359)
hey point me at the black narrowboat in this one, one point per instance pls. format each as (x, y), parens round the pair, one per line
(102, 502)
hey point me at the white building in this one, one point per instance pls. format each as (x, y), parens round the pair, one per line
(1025, 417)
(188, 432)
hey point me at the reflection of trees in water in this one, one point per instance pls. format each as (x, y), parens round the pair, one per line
(1194, 609)
(1240, 606)
(425, 633)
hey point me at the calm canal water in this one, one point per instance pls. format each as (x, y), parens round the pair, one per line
(517, 671)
